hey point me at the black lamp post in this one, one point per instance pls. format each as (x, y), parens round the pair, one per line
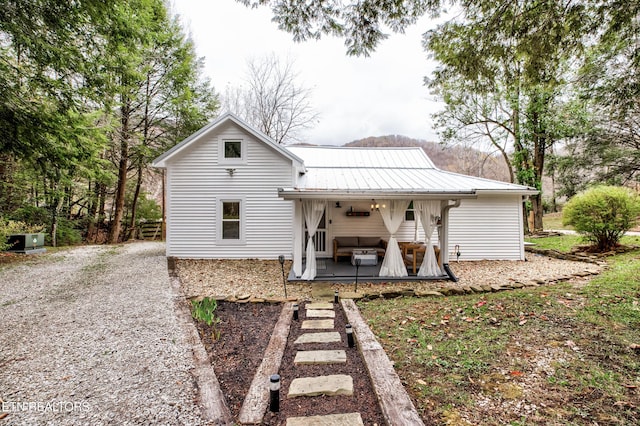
(284, 281)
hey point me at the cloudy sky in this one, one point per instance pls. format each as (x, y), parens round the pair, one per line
(355, 97)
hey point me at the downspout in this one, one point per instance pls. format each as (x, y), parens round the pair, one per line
(444, 237)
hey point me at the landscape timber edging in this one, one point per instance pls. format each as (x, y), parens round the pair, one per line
(211, 399)
(395, 403)
(256, 401)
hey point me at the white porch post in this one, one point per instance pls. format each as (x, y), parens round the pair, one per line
(297, 238)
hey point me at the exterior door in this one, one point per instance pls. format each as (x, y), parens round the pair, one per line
(320, 238)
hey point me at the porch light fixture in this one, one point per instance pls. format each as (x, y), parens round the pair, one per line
(335, 296)
(338, 206)
(349, 331)
(274, 393)
(376, 206)
(295, 311)
(231, 171)
(284, 281)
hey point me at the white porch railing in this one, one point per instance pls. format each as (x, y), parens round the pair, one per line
(320, 240)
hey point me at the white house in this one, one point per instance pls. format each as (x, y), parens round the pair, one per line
(233, 193)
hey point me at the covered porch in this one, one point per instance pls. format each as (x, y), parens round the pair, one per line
(412, 245)
(343, 271)
(371, 200)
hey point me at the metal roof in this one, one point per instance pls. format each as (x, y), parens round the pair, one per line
(392, 172)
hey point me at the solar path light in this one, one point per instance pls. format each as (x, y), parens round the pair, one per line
(274, 393)
(349, 331)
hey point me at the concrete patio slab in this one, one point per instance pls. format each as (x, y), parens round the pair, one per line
(334, 356)
(322, 337)
(336, 384)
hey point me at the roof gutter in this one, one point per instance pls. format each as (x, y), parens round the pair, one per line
(529, 191)
(292, 194)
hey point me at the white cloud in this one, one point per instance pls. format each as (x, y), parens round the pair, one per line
(356, 97)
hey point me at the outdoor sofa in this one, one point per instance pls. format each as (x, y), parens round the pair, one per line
(344, 246)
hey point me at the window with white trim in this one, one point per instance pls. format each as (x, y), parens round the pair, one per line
(231, 220)
(233, 150)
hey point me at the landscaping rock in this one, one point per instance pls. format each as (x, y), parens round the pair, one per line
(429, 294)
(321, 337)
(349, 419)
(337, 356)
(337, 384)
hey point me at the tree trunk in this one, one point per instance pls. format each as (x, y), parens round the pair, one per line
(123, 165)
(134, 203)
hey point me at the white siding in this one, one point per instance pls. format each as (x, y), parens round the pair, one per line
(489, 227)
(196, 180)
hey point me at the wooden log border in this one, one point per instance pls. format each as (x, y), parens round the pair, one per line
(396, 406)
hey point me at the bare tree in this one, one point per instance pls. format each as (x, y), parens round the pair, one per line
(273, 101)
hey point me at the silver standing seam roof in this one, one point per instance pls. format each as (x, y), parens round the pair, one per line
(390, 172)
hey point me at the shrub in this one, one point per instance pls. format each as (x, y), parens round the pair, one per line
(602, 214)
(204, 310)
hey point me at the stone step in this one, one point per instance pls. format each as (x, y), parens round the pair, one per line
(336, 384)
(321, 337)
(347, 419)
(320, 313)
(335, 356)
(319, 305)
(317, 324)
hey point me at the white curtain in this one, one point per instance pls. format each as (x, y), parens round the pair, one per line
(392, 212)
(313, 211)
(428, 212)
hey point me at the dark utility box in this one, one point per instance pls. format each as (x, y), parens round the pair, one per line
(26, 243)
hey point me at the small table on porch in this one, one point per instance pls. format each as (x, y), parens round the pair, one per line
(367, 256)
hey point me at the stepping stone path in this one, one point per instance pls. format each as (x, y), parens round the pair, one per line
(338, 384)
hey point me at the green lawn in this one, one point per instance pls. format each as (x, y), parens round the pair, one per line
(554, 355)
(553, 221)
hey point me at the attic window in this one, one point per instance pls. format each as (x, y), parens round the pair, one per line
(233, 149)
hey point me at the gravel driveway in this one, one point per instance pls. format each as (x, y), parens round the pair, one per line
(90, 336)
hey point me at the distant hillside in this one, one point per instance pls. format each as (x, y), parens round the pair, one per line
(456, 159)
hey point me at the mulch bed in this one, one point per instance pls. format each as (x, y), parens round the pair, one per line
(244, 331)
